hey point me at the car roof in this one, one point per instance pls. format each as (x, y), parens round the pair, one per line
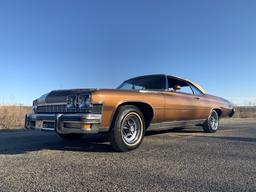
(145, 76)
(172, 76)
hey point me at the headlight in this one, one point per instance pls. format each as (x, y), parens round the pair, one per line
(35, 104)
(71, 101)
(80, 101)
(83, 101)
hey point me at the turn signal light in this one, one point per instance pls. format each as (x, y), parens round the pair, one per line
(86, 126)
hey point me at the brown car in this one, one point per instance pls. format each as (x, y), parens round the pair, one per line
(137, 105)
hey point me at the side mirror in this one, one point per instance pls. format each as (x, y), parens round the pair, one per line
(177, 87)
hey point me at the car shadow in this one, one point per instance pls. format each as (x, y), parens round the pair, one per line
(175, 130)
(25, 141)
(12, 143)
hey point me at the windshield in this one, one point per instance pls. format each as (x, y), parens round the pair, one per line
(144, 83)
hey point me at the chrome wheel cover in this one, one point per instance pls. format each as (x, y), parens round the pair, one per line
(214, 121)
(132, 128)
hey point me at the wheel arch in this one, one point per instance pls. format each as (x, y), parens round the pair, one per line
(145, 108)
(218, 110)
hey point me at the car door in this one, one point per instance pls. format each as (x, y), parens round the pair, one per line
(204, 106)
(180, 104)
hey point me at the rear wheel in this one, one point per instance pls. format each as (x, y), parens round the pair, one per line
(211, 125)
(128, 129)
(71, 136)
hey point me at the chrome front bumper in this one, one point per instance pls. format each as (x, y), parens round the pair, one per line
(64, 123)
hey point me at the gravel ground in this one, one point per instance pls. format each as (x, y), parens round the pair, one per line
(175, 160)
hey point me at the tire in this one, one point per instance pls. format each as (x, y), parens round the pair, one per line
(211, 125)
(71, 136)
(128, 129)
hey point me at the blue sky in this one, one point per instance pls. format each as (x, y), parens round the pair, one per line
(55, 44)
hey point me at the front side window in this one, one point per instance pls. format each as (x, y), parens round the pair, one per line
(179, 86)
(185, 89)
(145, 83)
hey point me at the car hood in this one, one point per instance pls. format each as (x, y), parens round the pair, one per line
(60, 96)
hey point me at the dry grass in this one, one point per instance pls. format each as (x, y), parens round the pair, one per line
(12, 117)
(245, 112)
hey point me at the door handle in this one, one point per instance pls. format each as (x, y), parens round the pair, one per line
(197, 98)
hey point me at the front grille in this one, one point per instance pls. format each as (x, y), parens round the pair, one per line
(63, 109)
(51, 109)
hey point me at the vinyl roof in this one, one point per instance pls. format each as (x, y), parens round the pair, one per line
(171, 76)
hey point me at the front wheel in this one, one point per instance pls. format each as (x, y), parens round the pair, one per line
(128, 129)
(211, 125)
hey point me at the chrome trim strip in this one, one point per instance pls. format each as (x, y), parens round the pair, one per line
(149, 91)
(75, 122)
(174, 124)
(94, 121)
(170, 108)
(184, 121)
(41, 115)
(48, 129)
(85, 116)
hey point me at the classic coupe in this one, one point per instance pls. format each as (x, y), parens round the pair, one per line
(152, 102)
